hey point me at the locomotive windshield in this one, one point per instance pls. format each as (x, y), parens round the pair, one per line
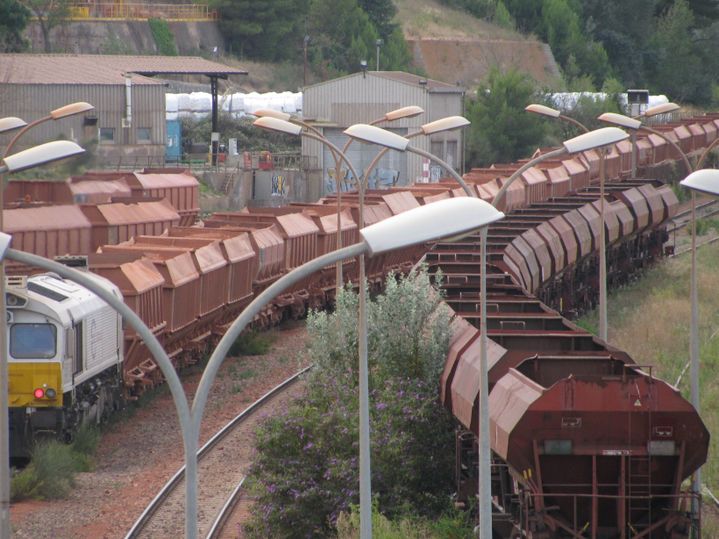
(33, 341)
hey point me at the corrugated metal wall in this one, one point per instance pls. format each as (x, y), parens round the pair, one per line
(33, 101)
(362, 99)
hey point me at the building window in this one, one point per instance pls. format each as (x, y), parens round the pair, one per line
(144, 135)
(107, 135)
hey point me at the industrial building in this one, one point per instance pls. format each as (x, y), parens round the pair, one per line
(128, 122)
(334, 105)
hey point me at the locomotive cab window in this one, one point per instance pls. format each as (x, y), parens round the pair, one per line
(33, 341)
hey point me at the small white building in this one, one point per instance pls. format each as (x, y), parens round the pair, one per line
(363, 97)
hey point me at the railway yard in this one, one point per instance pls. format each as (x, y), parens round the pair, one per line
(583, 436)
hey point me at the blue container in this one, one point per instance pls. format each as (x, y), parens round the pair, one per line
(173, 150)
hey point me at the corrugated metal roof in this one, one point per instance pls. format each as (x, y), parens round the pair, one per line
(102, 69)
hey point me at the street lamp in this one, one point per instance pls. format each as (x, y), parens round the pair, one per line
(549, 112)
(703, 181)
(444, 218)
(632, 123)
(10, 123)
(598, 138)
(32, 157)
(376, 135)
(664, 108)
(392, 141)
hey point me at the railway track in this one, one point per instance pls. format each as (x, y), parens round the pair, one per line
(683, 218)
(223, 462)
(226, 512)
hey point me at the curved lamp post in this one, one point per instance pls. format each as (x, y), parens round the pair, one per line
(32, 157)
(552, 113)
(433, 221)
(704, 181)
(375, 135)
(598, 138)
(631, 123)
(35, 156)
(396, 141)
(549, 112)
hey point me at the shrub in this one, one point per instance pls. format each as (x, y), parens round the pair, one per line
(53, 465)
(306, 469)
(86, 440)
(251, 343)
(163, 37)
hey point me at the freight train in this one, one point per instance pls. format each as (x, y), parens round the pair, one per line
(559, 395)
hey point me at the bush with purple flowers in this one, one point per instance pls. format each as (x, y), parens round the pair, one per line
(306, 467)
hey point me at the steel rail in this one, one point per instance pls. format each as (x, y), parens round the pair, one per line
(175, 480)
(229, 506)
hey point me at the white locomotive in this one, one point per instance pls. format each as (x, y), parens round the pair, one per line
(65, 353)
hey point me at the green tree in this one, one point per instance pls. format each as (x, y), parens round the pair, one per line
(678, 66)
(306, 465)
(270, 30)
(342, 35)
(13, 20)
(381, 13)
(49, 14)
(501, 130)
(624, 29)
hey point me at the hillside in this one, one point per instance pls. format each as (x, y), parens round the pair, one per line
(448, 44)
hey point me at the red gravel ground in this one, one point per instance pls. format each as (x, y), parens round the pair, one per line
(138, 454)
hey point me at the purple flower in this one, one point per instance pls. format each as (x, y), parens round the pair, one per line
(381, 406)
(309, 446)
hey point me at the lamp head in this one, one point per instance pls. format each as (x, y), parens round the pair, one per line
(377, 135)
(664, 108)
(705, 181)
(404, 112)
(542, 110)
(10, 123)
(41, 155)
(595, 139)
(444, 218)
(445, 124)
(275, 124)
(619, 120)
(261, 113)
(71, 110)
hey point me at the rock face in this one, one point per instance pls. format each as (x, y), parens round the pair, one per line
(125, 37)
(468, 60)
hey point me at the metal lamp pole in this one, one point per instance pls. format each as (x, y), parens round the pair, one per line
(702, 181)
(30, 158)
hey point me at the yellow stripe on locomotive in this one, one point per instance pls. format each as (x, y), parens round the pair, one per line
(35, 384)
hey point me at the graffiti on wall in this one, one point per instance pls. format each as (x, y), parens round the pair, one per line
(279, 185)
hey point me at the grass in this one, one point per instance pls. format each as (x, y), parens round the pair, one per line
(52, 468)
(252, 343)
(455, 525)
(649, 319)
